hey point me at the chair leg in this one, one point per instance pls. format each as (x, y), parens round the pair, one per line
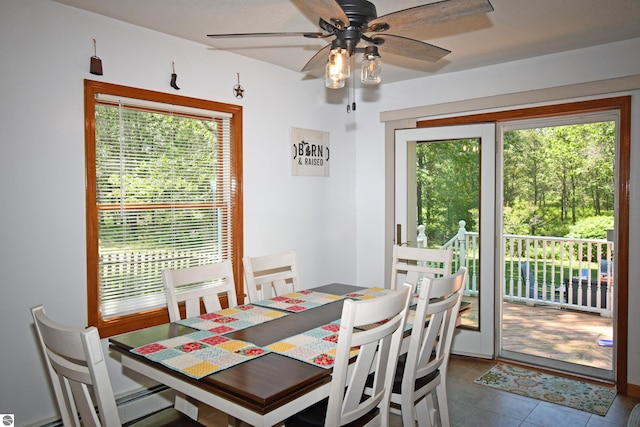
(424, 411)
(407, 409)
(443, 406)
(408, 414)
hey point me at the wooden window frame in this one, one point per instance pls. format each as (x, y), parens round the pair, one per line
(151, 317)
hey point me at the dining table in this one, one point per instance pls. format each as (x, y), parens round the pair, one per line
(261, 391)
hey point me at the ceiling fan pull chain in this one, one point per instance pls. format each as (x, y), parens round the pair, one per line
(353, 89)
(349, 96)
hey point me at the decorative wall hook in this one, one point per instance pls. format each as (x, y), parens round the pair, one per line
(95, 65)
(174, 77)
(238, 90)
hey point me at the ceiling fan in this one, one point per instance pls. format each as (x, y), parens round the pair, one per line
(357, 28)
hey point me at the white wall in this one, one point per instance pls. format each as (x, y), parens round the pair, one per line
(581, 66)
(45, 49)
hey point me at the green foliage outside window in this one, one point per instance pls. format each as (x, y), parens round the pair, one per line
(553, 177)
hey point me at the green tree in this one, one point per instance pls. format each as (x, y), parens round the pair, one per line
(552, 178)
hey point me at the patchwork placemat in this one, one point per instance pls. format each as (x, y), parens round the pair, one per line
(369, 293)
(200, 353)
(299, 301)
(317, 346)
(232, 319)
(411, 316)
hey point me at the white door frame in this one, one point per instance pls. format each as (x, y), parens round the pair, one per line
(469, 342)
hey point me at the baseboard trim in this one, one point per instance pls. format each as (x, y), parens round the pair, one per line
(133, 405)
(141, 394)
(633, 390)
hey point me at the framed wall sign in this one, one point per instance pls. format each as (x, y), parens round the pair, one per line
(309, 152)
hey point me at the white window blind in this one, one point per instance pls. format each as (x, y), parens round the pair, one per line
(163, 197)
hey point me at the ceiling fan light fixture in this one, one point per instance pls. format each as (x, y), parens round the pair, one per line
(371, 70)
(333, 83)
(338, 69)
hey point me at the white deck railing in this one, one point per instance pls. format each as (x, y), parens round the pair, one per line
(541, 270)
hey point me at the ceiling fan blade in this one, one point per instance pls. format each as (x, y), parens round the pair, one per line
(318, 60)
(431, 13)
(285, 34)
(398, 45)
(330, 11)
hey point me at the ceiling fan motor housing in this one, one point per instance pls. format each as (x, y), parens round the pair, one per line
(359, 12)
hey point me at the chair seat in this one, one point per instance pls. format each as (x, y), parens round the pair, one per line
(168, 417)
(397, 380)
(315, 416)
(420, 382)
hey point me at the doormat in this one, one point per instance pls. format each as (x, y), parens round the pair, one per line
(592, 398)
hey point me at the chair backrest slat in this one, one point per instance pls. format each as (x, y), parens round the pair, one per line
(267, 276)
(411, 265)
(210, 280)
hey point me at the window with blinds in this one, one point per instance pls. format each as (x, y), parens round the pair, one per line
(163, 176)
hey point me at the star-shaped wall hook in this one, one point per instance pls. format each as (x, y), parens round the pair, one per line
(238, 90)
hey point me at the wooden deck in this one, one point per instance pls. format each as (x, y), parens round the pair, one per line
(559, 334)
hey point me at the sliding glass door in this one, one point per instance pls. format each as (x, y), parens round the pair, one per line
(558, 253)
(445, 197)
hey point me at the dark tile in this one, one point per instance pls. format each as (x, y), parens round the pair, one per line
(508, 404)
(551, 415)
(482, 418)
(600, 422)
(618, 413)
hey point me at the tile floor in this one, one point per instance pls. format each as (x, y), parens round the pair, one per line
(474, 405)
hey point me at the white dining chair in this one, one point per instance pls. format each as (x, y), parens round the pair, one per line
(78, 371)
(198, 285)
(423, 368)
(375, 328)
(270, 275)
(410, 265)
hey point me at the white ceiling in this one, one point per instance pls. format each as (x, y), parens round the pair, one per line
(516, 29)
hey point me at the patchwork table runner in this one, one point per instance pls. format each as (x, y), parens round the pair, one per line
(232, 319)
(411, 316)
(317, 346)
(299, 301)
(369, 293)
(200, 353)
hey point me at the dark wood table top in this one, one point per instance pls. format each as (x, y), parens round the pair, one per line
(263, 383)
